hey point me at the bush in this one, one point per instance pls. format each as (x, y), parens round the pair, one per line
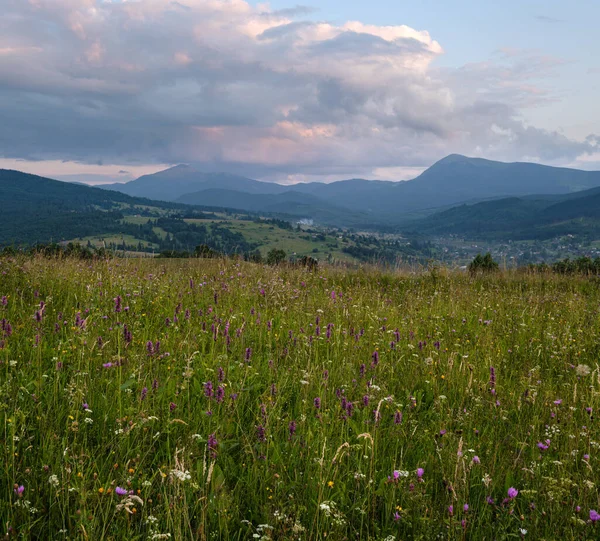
(483, 264)
(275, 256)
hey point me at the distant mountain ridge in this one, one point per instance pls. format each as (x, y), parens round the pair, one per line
(357, 202)
(524, 218)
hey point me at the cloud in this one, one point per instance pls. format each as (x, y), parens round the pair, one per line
(227, 86)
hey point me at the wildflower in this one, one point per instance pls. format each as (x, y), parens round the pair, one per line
(85, 406)
(594, 515)
(466, 507)
(420, 472)
(212, 444)
(542, 446)
(208, 389)
(108, 365)
(19, 490)
(398, 418)
(53, 480)
(582, 370)
(120, 491)
(317, 402)
(451, 510)
(292, 428)
(144, 393)
(117, 300)
(248, 354)
(260, 434)
(512, 493)
(330, 484)
(558, 402)
(375, 357)
(396, 516)
(172, 406)
(476, 460)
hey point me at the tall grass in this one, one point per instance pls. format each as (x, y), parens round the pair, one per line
(220, 400)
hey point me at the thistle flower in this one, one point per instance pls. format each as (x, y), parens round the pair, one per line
(594, 515)
(120, 491)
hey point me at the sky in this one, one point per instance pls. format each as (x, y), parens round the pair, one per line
(105, 91)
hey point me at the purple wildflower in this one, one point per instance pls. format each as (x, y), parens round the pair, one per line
(144, 393)
(19, 490)
(208, 389)
(594, 515)
(212, 445)
(120, 491)
(398, 418)
(317, 402)
(420, 472)
(466, 507)
(117, 300)
(292, 428)
(512, 493)
(260, 434)
(172, 406)
(248, 354)
(451, 510)
(476, 460)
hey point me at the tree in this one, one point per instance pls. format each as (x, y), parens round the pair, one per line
(275, 256)
(483, 264)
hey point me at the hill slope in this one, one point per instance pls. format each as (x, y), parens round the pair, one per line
(38, 209)
(532, 217)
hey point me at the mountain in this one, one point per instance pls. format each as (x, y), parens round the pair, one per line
(171, 184)
(369, 203)
(38, 209)
(531, 217)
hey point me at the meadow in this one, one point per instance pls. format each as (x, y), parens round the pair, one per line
(215, 399)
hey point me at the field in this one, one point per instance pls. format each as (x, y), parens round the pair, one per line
(213, 399)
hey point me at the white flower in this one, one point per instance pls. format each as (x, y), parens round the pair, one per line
(181, 475)
(54, 480)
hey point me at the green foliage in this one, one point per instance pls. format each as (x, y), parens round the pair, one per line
(275, 256)
(190, 387)
(483, 264)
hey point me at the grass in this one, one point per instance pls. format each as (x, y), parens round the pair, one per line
(283, 404)
(291, 241)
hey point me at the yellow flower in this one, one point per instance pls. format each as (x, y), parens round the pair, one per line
(101, 490)
(330, 484)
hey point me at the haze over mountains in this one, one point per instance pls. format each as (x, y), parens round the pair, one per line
(452, 180)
